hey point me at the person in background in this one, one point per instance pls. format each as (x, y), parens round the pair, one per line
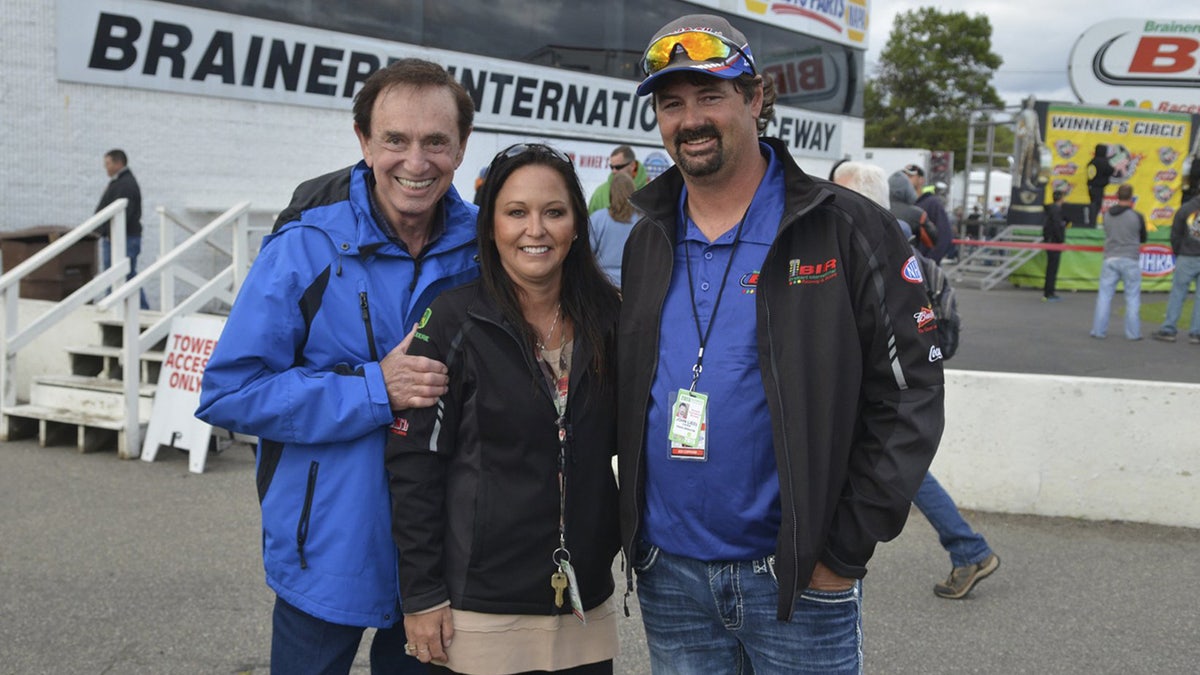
(1099, 174)
(122, 185)
(1054, 231)
(1185, 241)
(971, 558)
(621, 161)
(503, 496)
(779, 308)
(611, 227)
(1124, 233)
(929, 201)
(313, 360)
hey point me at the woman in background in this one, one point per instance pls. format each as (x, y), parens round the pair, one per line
(611, 227)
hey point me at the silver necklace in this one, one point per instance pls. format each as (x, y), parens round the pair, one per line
(550, 334)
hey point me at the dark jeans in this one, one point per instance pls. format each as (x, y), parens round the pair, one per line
(133, 248)
(302, 644)
(601, 668)
(1052, 260)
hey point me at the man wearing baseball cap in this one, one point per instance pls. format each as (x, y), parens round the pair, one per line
(787, 313)
(931, 204)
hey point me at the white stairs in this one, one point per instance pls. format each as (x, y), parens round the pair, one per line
(85, 407)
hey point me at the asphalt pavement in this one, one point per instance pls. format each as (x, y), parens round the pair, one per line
(115, 567)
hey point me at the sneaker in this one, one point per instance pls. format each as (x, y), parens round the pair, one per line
(1164, 336)
(1052, 298)
(963, 579)
(1194, 338)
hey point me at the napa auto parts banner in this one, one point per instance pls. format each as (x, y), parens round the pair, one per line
(1153, 64)
(841, 21)
(172, 48)
(1147, 150)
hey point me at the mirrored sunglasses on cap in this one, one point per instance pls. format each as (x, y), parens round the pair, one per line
(699, 46)
(518, 149)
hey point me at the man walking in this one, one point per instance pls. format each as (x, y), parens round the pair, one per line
(1124, 233)
(313, 362)
(1185, 240)
(814, 401)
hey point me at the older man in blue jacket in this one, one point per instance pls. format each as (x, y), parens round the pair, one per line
(313, 362)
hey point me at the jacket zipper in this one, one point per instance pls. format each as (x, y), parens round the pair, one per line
(366, 316)
(639, 488)
(302, 527)
(795, 573)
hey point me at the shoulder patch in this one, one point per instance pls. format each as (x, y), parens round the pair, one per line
(912, 271)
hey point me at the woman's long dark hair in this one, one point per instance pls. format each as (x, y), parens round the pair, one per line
(587, 296)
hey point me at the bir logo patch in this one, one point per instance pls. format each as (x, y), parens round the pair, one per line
(399, 426)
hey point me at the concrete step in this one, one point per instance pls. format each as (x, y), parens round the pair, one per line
(57, 426)
(90, 396)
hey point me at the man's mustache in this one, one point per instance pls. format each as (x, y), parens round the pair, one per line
(689, 135)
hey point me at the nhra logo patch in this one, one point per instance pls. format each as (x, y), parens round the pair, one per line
(1066, 149)
(399, 426)
(1167, 155)
(912, 271)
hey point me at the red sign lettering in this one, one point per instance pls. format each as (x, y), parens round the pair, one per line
(1164, 55)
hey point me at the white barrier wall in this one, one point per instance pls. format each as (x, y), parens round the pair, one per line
(1082, 447)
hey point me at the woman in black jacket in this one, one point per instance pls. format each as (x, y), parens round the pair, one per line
(504, 500)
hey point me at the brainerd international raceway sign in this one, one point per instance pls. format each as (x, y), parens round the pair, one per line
(1153, 64)
(173, 48)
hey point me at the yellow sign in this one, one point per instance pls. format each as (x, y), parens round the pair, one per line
(1146, 150)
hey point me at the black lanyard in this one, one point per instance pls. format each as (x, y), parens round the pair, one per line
(703, 335)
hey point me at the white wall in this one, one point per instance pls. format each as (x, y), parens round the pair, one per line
(56, 133)
(1080, 447)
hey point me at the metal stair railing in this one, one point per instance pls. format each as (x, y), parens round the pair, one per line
(223, 285)
(12, 337)
(989, 265)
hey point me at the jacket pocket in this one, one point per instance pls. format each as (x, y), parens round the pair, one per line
(644, 556)
(302, 526)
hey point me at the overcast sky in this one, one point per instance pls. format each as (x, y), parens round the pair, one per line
(1034, 37)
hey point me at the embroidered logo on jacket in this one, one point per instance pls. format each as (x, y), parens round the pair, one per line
(912, 271)
(749, 282)
(399, 426)
(807, 273)
(926, 320)
(935, 354)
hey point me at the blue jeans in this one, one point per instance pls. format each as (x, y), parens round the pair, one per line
(133, 248)
(965, 546)
(718, 618)
(1114, 270)
(302, 644)
(1187, 270)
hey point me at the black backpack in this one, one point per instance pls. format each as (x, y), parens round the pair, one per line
(945, 306)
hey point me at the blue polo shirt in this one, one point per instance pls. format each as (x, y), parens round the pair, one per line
(725, 507)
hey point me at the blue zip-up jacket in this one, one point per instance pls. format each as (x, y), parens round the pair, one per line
(297, 365)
